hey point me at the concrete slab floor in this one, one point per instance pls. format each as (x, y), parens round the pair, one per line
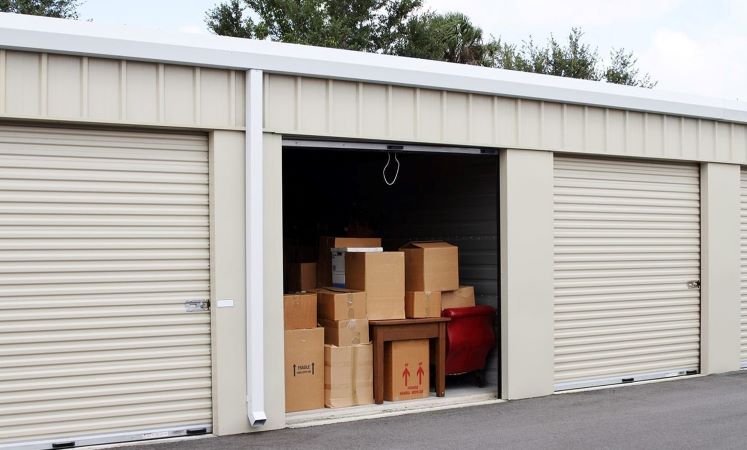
(694, 413)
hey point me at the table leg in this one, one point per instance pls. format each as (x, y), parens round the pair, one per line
(441, 361)
(378, 367)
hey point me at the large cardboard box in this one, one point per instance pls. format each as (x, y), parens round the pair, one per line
(338, 262)
(299, 310)
(304, 369)
(340, 304)
(345, 332)
(302, 277)
(460, 298)
(431, 266)
(382, 276)
(421, 304)
(348, 375)
(327, 243)
(406, 371)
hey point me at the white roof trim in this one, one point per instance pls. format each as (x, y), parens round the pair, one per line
(84, 38)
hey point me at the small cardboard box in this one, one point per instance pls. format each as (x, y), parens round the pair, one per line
(338, 262)
(421, 304)
(348, 375)
(327, 243)
(460, 298)
(299, 310)
(345, 332)
(340, 304)
(382, 276)
(304, 369)
(431, 266)
(302, 277)
(406, 371)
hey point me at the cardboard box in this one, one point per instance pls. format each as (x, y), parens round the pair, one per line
(382, 276)
(340, 304)
(338, 262)
(299, 310)
(345, 332)
(348, 375)
(420, 304)
(460, 298)
(302, 277)
(327, 243)
(431, 266)
(304, 369)
(406, 371)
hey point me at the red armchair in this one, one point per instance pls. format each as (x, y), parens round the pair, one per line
(470, 337)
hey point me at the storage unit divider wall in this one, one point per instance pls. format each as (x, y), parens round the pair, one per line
(743, 270)
(627, 271)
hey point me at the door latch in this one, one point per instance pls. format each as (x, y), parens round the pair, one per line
(197, 305)
(693, 284)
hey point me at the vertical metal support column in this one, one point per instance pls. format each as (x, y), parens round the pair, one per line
(254, 252)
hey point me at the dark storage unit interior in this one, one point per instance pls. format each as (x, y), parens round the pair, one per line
(436, 196)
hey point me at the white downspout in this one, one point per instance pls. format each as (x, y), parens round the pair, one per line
(254, 251)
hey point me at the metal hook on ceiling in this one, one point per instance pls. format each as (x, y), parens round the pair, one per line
(396, 173)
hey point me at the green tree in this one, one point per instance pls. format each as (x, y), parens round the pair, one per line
(574, 59)
(65, 9)
(446, 37)
(366, 25)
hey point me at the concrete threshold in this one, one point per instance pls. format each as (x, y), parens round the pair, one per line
(388, 409)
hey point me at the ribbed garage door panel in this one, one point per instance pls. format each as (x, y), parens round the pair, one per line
(627, 242)
(103, 237)
(743, 292)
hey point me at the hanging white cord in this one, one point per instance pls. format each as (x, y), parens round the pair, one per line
(396, 174)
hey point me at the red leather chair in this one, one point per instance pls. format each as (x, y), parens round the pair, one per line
(470, 337)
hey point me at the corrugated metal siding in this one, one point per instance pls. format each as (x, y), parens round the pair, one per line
(65, 87)
(103, 236)
(627, 241)
(344, 109)
(743, 266)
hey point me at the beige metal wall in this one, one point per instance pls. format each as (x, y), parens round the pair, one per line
(720, 267)
(83, 89)
(526, 246)
(227, 281)
(344, 109)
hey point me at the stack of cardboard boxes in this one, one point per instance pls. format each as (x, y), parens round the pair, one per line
(348, 356)
(304, 353)
(418, 281)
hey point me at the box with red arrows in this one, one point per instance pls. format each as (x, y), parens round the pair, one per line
(406, 371)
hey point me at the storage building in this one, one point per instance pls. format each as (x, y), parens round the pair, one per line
(149, 182)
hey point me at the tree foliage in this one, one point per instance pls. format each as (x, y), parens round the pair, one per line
(573, 59)
(446, 37)
(65, 9)
(403, 28)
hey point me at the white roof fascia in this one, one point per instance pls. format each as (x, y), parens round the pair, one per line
(84, 38)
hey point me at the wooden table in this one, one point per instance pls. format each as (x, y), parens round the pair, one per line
(405, 329)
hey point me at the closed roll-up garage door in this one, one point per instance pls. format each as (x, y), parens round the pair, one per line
(103, 238)
(743, 291)
(627, 270)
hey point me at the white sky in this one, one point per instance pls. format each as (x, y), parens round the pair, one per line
(693, 46)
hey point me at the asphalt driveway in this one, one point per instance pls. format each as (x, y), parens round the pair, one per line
(695, 413)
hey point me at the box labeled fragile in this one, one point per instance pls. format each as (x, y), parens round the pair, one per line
(406, 371)
(304, 369)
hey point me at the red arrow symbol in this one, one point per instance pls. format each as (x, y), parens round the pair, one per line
(420, 374)
(406, 374)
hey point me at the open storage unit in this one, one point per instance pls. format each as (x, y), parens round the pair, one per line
(343, 189)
